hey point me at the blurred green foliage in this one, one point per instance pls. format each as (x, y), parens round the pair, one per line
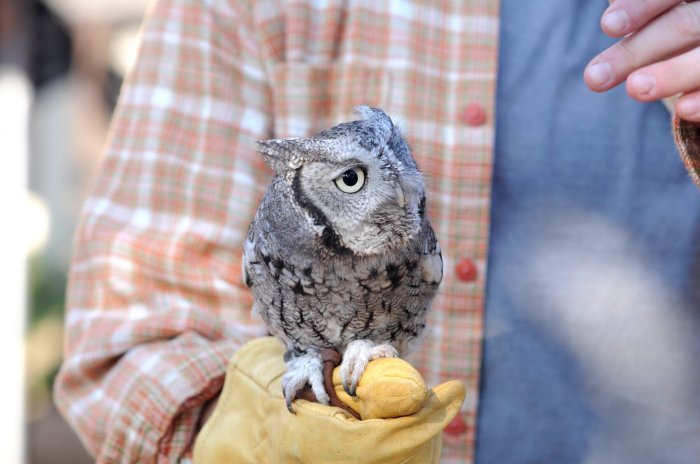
(47, 290)
(46, 299)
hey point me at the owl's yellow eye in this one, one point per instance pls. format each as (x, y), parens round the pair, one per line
(351, 181)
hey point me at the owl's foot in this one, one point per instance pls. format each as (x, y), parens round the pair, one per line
(357, 354)
(301, 370)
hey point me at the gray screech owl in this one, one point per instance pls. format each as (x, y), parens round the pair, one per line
(340, 253)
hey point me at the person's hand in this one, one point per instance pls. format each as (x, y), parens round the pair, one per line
(658, 52)
(251, 424)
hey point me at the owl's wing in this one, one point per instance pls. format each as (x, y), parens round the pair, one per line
(248, 254)
(244, 271)
(431, 261)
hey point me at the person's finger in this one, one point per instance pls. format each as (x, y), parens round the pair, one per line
(688, 106)
(676, 31)
(625, 16)
(666, 78)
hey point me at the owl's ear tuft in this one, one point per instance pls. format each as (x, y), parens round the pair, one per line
(377, 119)
(280, 154)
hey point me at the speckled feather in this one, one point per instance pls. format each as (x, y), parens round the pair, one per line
(328, 268)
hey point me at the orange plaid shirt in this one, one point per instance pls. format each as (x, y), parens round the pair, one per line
(156, 302)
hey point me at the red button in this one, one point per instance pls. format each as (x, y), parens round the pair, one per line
(474, 114)
(466, 270)
(456, 427)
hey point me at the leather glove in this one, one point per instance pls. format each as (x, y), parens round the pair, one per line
(251, 424)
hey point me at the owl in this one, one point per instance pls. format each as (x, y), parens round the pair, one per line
(340, 253)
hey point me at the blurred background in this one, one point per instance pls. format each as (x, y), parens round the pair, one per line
(61, 66)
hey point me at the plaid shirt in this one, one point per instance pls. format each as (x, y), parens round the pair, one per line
(156, 301)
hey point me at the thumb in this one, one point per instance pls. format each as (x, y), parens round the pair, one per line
(444, 402)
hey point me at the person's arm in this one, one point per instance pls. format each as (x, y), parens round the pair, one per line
(156, 305)
(658, 53)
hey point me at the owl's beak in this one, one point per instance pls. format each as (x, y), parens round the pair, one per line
(399, 195)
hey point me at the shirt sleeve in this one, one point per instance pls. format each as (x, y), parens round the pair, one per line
(156, 305)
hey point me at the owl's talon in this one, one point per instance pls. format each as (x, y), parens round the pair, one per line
(300, 371)
(357, 355)
(289, 405)
(356, 376)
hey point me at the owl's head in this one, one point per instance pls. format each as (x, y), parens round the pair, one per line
(356, 183)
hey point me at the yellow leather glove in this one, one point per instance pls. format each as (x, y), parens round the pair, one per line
(251, 424)
(389, 387)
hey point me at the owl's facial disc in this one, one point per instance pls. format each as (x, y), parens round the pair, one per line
(358, 204)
